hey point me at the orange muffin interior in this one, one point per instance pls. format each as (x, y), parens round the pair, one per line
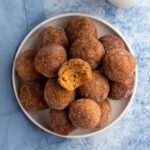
(74, 73)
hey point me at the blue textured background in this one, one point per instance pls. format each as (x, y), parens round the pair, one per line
(132, 132)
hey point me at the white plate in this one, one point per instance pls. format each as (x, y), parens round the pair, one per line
(41, 118)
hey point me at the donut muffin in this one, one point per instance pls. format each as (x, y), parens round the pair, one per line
(32, 96)
(80, 26)
(96, 89)
(59, 122)
(74, 73)
(56, 96)
(84, 113)
(25, 65)
(53, 35)
(49, 59)
(122, 90)
(106, 111)
(118, 64)
(88, 49)
(112, 42)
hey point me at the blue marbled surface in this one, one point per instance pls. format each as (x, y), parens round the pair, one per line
(17, 132)
(132, 132)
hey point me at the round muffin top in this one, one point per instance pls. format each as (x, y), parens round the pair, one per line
(53, 35)
(88, 49)
(25, 65)
(112, 42)
(80, 26)
(32, 96)
(122, 90)
(49, 59)
(118, 64)
(106, 111)
(96, 89)
(84, 113)
(56, 96)
(59, 122)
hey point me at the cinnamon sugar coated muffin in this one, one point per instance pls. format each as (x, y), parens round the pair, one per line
(49, 59)
(118, 64)
(84, 113)
(25, 65)
(106, 112)
(80, 26)
(74, 73)
(112, 42)
(122, 90)
(88, 49)
(59, 122)
(53, 35)
(96, 89)
(32, 96)
(56, 96)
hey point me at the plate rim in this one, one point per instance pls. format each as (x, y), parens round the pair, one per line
(19, 49)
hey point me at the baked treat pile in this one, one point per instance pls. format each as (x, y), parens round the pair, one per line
(73, 73)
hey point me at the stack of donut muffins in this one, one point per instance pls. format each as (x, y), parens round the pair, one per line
(73, 73)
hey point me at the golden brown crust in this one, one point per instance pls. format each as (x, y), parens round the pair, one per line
(49, 59)
(25, 65)
(32, 96)
(56, 96)
(88, 49)
(53, 35)
(106, 111)
(112, 42)
(122, 90)
(96, 89)
(59, 122)
(74, 73)
(118, 64)
(84, 113)
(80, 26)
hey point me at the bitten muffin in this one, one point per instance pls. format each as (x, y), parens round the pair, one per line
(80, 26)
(84, 113)
(88, 49)
(25, 65)
(122, 90)
(118, 64)
(96, 89)
(59, 122)
(106, 111)
(32, 96)
(53, 35)
(74, 73)
(112, 42)
(56, 96)
(49, 59)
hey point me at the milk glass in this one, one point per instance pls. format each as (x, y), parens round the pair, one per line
(124, 3)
